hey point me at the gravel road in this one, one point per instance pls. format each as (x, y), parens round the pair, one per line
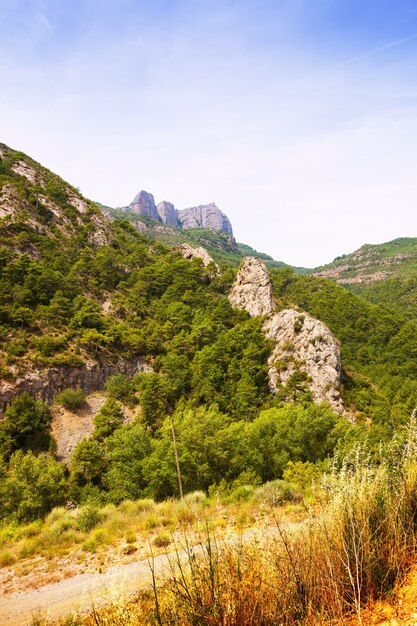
(80, 592)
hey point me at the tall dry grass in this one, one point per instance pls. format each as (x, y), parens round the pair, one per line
(330, 566)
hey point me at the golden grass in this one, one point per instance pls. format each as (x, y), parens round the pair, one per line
(335, 563)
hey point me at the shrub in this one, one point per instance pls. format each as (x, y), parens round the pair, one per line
(88, 518)
(162, 541)
(71, 399)
(6, 558)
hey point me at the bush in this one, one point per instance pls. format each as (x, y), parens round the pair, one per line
(88, 518)
(71, 399)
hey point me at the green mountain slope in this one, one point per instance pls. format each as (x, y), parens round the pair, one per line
(221, 247)
(85, 299)
(384, 273)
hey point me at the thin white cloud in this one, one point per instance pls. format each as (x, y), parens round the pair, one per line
(308, 161)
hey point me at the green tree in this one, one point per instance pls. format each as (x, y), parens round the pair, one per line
(26, 425)
(109, 418)
(127, 449)
(31, 486)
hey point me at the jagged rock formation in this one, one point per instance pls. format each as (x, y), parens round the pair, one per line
(46, 383)
(301, 343)
(168, 213)
(252, 289)
(202, 216)
(205, 216)
(144, 204)
(304, 344)
(188, 252)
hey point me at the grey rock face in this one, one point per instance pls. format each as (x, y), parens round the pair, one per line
(252, 289)
(205, 216)
(303, 343)
(188, 252)
(144, 204)
(168, 213)
(300, 342)
(44, 384)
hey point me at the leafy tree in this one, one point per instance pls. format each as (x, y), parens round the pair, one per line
(127, 450)
(109, 418)
(71, 399)
(31, 486)
(88, 463)
(26, 425)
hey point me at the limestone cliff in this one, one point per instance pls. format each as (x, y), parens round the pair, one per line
(300, 342)
(44, 384)
(202, 216)
(252, 289)
(205, 216)
(188, 252)
(304, 344)
(144, 204)
(168, 213)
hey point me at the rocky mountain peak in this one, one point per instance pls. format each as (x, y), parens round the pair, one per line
(202, 216)
(144, 204)
(168, 213)
(205, 216)
(252, 289)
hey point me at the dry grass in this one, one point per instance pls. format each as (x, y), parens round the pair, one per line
(335, 564)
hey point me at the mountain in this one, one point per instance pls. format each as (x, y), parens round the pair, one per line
(239, 358)
(384, 273)
(202, 216)
(202, 226)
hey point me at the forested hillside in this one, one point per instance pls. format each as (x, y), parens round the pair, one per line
(78, 290)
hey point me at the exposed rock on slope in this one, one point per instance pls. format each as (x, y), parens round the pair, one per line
(44, 384)
(188, 252)
(252, 289)
(304, 344)
(45, 203)
(205, 216)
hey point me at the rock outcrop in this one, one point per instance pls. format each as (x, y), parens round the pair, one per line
(205, 216)
(303, 343)
(202, 216)
(188, 252)
(44, 384)
(144, 204)
(252, 289)
(168, 213)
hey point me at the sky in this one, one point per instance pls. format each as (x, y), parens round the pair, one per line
(297, 118)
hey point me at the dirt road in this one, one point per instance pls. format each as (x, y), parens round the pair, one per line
(83, 591)
(80, 592)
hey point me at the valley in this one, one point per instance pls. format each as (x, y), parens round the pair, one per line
(160, 380)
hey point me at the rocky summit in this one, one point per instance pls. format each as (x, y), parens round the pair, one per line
(144, 204)
(168, 213)
(201, 216)
(205, 216)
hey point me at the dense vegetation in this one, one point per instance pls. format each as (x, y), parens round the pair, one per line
(326, 571)
(75, 289)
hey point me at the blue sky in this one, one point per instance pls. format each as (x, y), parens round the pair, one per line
(298, 118)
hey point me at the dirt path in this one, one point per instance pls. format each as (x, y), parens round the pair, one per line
(81, 592)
